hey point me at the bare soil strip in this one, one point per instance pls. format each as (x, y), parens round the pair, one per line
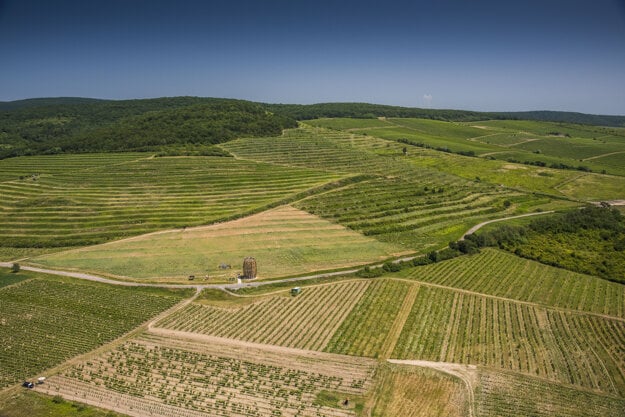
(398, 324)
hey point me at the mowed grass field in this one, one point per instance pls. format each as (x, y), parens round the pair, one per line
(284, 241)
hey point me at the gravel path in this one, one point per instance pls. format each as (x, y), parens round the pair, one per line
(479, 226)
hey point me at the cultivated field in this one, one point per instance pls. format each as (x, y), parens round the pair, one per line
(489, 334)
(153, 375)
(515, 395)
(306, 321)
(71, 201)
(501, 274)
(46, 321)
(284, 241)
(532, 141)
(450, 326)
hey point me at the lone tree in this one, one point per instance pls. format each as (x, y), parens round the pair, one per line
(15, 267)
(249, 268)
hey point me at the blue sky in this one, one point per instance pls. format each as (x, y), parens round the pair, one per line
(479, 55)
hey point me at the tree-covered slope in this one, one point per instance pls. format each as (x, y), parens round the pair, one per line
(131, 124)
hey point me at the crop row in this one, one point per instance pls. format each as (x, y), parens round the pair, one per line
(333, 151)
(455, 327)
(213, 381)
(515, 395)
(366, 328)
(46, 322)
(499, 273)
(306, 321)
(92, 205)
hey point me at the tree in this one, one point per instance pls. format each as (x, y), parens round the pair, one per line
(15, 267)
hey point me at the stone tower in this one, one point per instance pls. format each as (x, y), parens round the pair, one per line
(249, 268)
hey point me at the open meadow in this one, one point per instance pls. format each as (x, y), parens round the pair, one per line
(284, 241)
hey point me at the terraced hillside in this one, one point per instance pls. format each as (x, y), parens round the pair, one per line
(403, 203)
(85, 199)
(545, 143)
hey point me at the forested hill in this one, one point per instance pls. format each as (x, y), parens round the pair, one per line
(366, 110)
(66, 124)
(131, 125)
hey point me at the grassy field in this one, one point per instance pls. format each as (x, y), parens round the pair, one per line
(46, 321)
(284, 241)
(418, 392)
(29, 403)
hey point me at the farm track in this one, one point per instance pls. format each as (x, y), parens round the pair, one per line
(479, 226)
(466, 373)
(400, 321)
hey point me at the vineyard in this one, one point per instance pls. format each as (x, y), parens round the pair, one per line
(366, 328)
(78, 200)
(161, 376)
(307, 321)
(46, 322)
(502, 274)
(285, 241)
(450, 326)
(504, 140)
(509, 394)
(405, 211)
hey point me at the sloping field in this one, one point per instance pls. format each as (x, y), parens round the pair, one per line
(159, 376)
(81, 203)
(366, 329)
(451, 326)
(407, 212)
(45, 321)
(284, 241)
(306, 321)
(411, 391)
(502, 274)
(514, 395)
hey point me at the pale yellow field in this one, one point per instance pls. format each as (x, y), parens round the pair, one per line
(285, 241)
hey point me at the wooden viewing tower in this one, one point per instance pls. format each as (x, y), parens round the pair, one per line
(249, 268)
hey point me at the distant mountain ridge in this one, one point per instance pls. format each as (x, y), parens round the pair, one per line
(75, 124)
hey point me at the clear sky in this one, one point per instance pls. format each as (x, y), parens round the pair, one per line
(478, 55)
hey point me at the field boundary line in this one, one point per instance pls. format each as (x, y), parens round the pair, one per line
(512, 300)
(466, 373)
(110, 345)
(400, 320)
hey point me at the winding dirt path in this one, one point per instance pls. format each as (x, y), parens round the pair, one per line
(479, 226)
(466, 373)
(602, 155)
